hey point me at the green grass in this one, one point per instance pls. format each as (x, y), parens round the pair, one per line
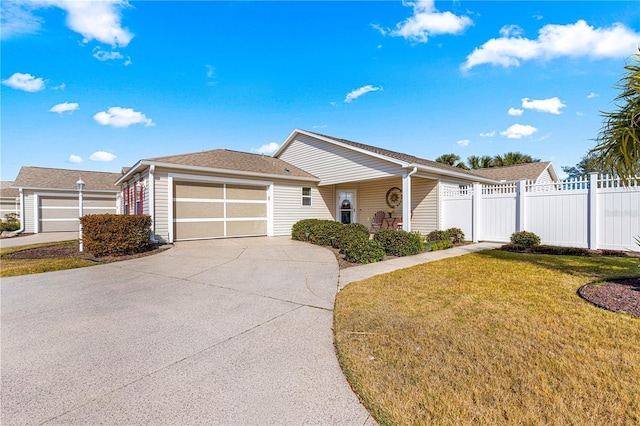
(16, 267)
(491, 338)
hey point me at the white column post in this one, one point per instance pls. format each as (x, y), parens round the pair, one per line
(592, 213)
(475, 211)
(520, 211)
(80, 187)
(406, 201)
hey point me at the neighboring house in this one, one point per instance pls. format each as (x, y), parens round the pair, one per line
(539, 173)
(49, 200)
(9, 199)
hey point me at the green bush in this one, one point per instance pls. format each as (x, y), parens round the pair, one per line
(324, 232)
(399, 243)
(439, 245)
(111, 234)
(559, 250)
(524, 238)
(455, 235)
(363, 251)
(351, 232)
(301, 228)
(10, 223)
(513, 248)
(437, 236)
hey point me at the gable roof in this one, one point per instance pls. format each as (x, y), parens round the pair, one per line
(405, 160)
(227, 161)
(527, 171)
(45, 178)
(6, 189)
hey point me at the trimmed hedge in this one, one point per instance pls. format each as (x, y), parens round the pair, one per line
(303, 227)
(437, 236)
(10, 223)
(351, 232)
(112, 234)
(363, 251)
(455, 235)
(320, 232)
(438, 245)
(524, 238)
(399, 243)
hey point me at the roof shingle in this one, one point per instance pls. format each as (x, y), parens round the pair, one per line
(528, 171)
(6, 189)
(41, 177)
(235, 161)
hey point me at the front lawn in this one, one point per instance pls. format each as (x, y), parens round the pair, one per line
(491, 338)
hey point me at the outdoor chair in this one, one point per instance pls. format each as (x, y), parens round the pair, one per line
(377, 221)
(399, 223)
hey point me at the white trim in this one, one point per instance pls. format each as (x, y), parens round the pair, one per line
(218, 200)
(101, 191)
(75, 208)
(66, 219)
(152, 200)
(36, 211)
(218, 219)
(354, 206)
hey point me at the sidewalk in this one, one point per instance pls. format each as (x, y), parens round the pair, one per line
(357, 273)
(44, 237)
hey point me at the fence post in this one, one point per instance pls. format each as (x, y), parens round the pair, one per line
(520, 212)
(475, 211)
(592, 214)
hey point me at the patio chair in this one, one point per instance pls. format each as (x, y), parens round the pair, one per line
(377, 221)
(399, 223)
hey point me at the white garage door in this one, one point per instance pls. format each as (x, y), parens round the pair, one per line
(59, 214)
(218, 210)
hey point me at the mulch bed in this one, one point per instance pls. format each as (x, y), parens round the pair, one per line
(71, 250)
(621, 295)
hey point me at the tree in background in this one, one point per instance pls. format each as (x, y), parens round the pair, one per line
(587, 164)
(474, 162)
(452, 160)
(513, 158)
(618, 143)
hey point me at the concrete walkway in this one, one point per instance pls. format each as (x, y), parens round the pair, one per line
(43, 237)
(358, 273)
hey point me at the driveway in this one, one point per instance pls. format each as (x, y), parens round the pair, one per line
(210, 332)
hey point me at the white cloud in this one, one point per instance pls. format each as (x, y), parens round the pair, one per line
(463, 142)
(64, 107)
(579, 113)
(518, 131)
(127, 62)
(25, 82)
(103, 55)
(427, 21)
(122, 117)
(551, 105)
(60, 87)
(320, 127)
(515, 112)
(16, 19)
(211, 75)
(554, 41)
(74, 159)
(592, 95)
(488, 134)
(356, 93)
(268, 148)
(102, 156)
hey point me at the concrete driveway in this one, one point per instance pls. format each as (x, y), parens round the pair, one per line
(209, 332)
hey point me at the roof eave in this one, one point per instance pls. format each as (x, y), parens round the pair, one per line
(38, 188)
(448, 173)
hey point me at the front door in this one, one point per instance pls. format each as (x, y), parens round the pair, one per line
(346, 204)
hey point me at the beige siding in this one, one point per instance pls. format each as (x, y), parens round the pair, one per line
(161, 212)
(29, 226)
(288, 208)
(545, 177)
(334, 164)
(425, 205)
(9, 205)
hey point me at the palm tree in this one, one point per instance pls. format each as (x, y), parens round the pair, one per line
(618, 143)
(476, 162)
(587, 164)
(513, 158)
(452, 160)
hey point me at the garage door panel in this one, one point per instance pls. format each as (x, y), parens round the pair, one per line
(59, 226)
(91, 203)
(191, 230)
(189, 210)
(243, 192)
(98, 210)
(246, 228)
(59, 213)
(59, 201)
(199, 190)
(239, 210)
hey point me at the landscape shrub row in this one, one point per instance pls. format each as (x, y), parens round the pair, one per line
(454, 235)
(10, 223)
(111, 234)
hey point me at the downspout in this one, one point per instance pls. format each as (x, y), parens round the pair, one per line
(406, 200)
(21, 230)
(152, 201)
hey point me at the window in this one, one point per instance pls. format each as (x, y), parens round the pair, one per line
(306, 196)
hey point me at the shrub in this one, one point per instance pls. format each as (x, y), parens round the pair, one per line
(513, 247)
(363, 251)
(399, 243)
(455, 235)
(437, 236)
(561, 251)
(111, 234)
(351, 232)
(10, 223)
(440, 245)
(325, 231)
(301, 228)
(524, 238)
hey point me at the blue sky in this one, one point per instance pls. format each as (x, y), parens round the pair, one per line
(99, 85)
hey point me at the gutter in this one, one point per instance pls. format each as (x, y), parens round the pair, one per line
(472, 178)
(21, 230)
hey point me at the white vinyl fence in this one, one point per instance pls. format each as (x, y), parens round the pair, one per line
(595, 212)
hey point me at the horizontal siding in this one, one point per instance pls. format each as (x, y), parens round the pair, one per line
(288, 208)
(334, 164)
(29, 198)
(424, 203)
(161, 213)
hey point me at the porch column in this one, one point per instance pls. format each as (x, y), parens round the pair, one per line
(406, 201)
